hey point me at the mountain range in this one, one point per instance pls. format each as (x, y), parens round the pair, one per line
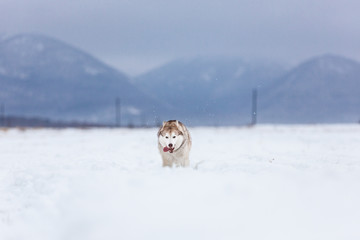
(44, 77)
(209, 90)
(324, 89)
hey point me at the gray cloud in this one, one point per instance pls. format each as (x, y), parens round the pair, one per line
(138, 34)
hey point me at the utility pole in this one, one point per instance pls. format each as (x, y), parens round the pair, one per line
(254, 107)
(2, 115)
(117, 112)
(157, 121)
(143, 121)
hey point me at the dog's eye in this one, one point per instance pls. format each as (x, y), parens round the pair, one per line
(166, 137)
(174, 136)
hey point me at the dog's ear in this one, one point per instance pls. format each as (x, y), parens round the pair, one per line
(164, 122)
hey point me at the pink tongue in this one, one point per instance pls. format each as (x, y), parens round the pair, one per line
(166, 149)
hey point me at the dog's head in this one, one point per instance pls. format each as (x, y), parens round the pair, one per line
(171, 135)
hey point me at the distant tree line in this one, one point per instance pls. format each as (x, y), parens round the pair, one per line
(18, 121)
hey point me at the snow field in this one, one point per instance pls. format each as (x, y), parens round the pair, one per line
(267, 182)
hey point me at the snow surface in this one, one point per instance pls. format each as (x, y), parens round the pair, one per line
(267, 182)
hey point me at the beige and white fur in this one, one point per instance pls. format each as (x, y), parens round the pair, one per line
(173, 134)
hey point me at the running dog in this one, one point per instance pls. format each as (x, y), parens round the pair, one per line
(174, 143)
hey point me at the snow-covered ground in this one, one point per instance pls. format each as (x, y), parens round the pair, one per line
(267, 182)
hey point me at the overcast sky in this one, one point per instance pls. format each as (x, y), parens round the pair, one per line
(137, 35)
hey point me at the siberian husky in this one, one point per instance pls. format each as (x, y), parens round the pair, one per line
(174, 143)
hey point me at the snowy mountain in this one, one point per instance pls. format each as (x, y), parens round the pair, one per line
(325, 89)
(44, 77)
(41, 76)
(212, 90)
(320, 90)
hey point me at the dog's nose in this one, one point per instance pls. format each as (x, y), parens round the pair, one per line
(170, 145)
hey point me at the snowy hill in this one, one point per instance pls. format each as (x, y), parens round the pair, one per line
(209, 89)
(323, 89)
(41, 76)
(44, 77)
